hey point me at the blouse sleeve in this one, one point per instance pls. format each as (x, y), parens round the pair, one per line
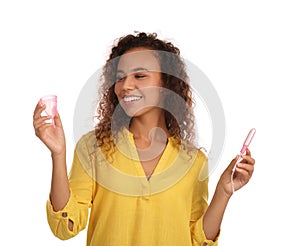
(76, 210)
(199, 206)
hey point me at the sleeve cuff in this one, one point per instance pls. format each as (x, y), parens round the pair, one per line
(199, 237)
(59, 220)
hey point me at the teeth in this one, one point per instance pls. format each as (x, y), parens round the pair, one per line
(131, 98)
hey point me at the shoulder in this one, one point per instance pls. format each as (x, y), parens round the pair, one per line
(199, 161)
(85, 147)
(190, 150)
(202, 163)
(201, 156)
(87, 141)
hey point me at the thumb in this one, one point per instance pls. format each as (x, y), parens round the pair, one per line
(57, 120)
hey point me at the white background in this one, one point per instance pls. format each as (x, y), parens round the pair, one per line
(249, 50)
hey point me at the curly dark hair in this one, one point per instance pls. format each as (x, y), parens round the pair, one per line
(174, 77)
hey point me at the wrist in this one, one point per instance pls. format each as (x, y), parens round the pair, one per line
(222, 192)
(58, 155)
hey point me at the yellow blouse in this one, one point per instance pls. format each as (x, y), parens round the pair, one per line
(127, 209)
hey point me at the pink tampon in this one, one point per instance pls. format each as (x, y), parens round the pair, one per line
(248, 141)
(246, 144)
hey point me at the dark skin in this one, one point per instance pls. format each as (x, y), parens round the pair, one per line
(132, 86)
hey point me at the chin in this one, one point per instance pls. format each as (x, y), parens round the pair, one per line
(137, 113)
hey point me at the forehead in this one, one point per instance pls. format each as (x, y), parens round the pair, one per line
(139, 58)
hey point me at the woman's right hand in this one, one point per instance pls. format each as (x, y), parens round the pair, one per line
(52, 137)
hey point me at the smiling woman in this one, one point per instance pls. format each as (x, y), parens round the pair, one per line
(140, 52)
(138, 170)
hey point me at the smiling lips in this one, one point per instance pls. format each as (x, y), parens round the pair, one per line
(129, 99)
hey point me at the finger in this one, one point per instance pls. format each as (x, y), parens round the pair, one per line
(40, 121)
(38, 105)
(244, 173)
(57, 120)
(248, 152)
(38, 111)
(248, 159)
(42, 128)
(247, 167)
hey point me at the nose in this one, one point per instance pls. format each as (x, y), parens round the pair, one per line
(128, 83)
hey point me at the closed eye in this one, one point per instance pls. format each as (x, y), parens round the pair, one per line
(139, 76)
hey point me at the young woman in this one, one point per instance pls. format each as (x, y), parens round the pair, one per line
(138, 171)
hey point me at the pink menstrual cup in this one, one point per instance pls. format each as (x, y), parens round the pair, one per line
(51, 106)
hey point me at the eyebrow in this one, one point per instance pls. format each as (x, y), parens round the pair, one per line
(134, 70)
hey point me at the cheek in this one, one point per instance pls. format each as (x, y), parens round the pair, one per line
(117, 88)
(153, 96)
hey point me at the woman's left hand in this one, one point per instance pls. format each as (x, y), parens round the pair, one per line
(241, 176)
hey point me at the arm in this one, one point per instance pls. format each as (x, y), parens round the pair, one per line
(70, 197)
(72, 218)
(214, 214)
(59, 192)
(54, 139)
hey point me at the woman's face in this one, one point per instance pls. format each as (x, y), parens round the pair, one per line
(139, 82)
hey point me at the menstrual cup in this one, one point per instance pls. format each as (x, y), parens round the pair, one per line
(51, 106)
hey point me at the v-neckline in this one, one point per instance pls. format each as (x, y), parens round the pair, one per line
(154, 165)
(160, 165)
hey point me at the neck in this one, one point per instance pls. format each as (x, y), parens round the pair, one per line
(141, 127)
